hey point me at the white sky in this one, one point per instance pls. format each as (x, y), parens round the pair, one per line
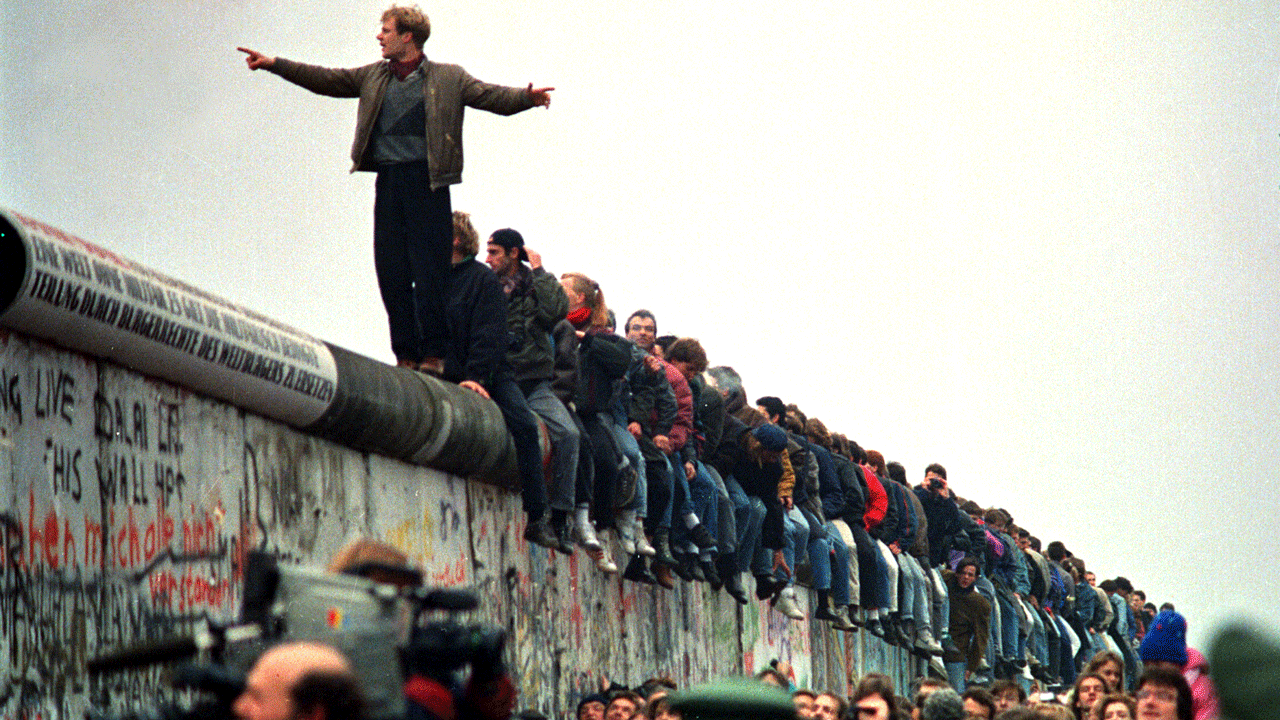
(1036, 242)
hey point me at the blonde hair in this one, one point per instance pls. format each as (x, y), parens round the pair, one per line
(466, 232)
(592, 297)
(410, 19)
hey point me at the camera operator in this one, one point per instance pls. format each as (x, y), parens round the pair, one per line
(301, 681)
(489, 693)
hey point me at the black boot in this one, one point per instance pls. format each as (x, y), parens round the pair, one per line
(694, 568)
(681, 568)
(713, 577)
(539, 532)
(732, 578)
(701, 537)
(638, 571)
(824, 606)
(564, 536)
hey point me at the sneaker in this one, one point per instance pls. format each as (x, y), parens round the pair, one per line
(604, 561)
(842, 621)
(926, 643)
(937, 669)
(642, 544)
(540, 533)
(788, 604)
(626, 534)
(948, 646)
(873, 626)
(583, 533)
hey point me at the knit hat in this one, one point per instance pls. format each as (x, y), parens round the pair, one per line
(771, 437)
(507, 239)
(1166, 639)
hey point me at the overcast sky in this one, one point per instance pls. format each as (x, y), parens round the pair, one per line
(1035, 242)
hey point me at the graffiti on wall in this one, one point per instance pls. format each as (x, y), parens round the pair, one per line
(129, 505)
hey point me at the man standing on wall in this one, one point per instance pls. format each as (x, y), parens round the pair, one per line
(409, 131)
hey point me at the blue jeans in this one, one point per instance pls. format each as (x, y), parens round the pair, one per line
(706, 500)
(983, 585)
(941, 604)
(749, 540)
(733, 513)
(819, 552)
(795, 534)
(838, 562)
(681, 498)
(631, 450)
(565, 441)
(914, 586)
(1009, 625)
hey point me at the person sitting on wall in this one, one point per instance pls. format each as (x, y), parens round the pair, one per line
(477, 361)
(535, 304)
(680, 525)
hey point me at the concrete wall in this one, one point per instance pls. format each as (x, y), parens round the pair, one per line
(128, 504)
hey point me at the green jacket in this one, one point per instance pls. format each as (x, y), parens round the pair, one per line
(535, 303)
(448, 91)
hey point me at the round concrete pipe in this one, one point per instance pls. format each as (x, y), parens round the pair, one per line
(416, 418)
(378, 408)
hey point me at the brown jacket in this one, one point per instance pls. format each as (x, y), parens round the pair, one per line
(448, 90)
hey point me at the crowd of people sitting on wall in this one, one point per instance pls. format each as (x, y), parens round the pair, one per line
(699, 484)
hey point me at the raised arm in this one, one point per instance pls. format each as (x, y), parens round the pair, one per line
(256, 60)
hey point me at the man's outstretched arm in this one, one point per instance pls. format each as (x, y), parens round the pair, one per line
(333, 82)
(541, 97)
(256, 60)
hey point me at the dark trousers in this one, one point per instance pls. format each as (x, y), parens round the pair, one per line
(412, 245)
(523, 426)
(873, 581)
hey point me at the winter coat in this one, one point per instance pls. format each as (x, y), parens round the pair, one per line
(447, 90)
(476, 317)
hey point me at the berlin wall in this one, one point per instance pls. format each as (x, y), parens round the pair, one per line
(129, 504)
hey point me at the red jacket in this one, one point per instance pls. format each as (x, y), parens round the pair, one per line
(682, 430)
(877, 501)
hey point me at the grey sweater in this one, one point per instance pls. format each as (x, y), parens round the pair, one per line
(448, 90)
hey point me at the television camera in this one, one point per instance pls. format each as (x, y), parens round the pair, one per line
(386, 634)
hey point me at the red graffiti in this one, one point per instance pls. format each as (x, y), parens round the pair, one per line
(454, 573)
(187, 590)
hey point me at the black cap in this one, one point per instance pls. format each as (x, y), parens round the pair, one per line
(508, 239)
